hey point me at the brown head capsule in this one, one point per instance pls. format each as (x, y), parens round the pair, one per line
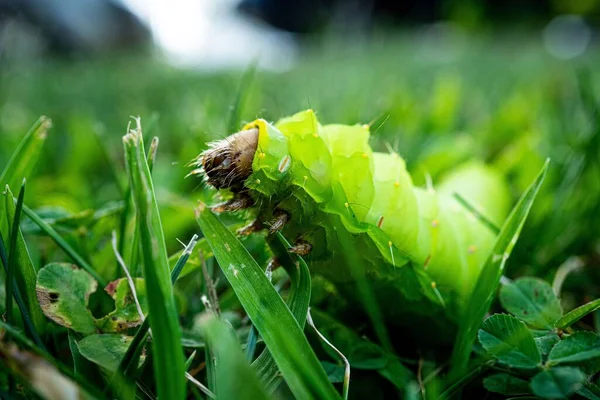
(228, 162)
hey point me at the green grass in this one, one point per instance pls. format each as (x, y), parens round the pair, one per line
(166, 333)
(275, 322)
(489, 279)
(498, 99)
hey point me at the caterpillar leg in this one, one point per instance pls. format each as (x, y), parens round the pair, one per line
(241, 201)
(254, 226)
(301, 247)
(278, 222)
(272, 265)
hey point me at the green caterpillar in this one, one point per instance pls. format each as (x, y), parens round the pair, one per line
(422, 250)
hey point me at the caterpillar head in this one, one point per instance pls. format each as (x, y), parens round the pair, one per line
(227, 163)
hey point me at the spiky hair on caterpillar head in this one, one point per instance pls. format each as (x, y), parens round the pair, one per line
(227, 163)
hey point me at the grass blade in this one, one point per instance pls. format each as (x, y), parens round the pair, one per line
(12, 256)
(166, 345)
(19, 299)
(339, 353)
(363, 286)
(62, 243)
(347, 340)
(251, 344)
(575, 315)
(127, 192)
(130, 359)
(489, 278)
(211, 375)
(462, 381)
(211, 303)
(135, 241)
(79, 363)
(10, 273)
(240, 98)
(272, 318)
(476, 213)
(26, 155)
(235, 378)
(24, 272)
(298, 302)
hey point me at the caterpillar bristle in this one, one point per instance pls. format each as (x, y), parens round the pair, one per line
(227, 163)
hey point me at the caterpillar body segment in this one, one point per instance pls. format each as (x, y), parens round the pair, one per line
(422, 250)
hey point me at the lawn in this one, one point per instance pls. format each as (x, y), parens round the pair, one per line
(94, 186)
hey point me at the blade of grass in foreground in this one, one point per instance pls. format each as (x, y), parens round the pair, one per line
(298, 301)
(135, 241)
(164, 321)
(24, 273)
(488, 280)
(235, 378)
(272, 318)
